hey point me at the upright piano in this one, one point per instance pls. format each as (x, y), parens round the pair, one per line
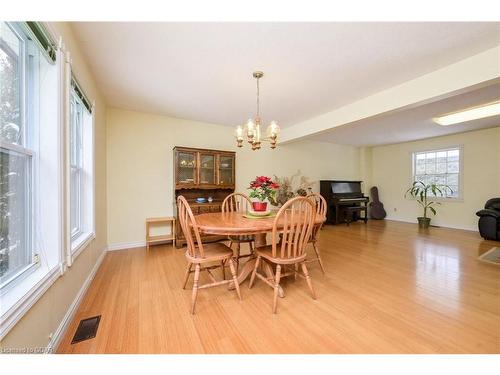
(345, 201)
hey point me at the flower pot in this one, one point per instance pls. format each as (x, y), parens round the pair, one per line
(259, 206)
(423, 222)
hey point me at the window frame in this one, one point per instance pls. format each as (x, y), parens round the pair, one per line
(77, 165)
(79, 240)
(460, 173)
(45, 140)
(25, 149)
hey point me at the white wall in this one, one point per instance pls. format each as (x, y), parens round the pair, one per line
(140, 174)
(46, 316)
(391, 172)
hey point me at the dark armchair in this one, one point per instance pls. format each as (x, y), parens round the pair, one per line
(489, 220)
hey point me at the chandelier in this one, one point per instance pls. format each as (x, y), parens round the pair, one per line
(252, 127)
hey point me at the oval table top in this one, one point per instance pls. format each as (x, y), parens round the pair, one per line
(234, 223)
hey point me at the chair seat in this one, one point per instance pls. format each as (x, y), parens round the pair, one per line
(213, 252)
(242, 238)
(267, 253)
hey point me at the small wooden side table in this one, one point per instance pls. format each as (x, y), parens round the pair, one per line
(157, 239)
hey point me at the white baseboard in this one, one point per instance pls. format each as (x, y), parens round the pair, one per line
(68, 317)
(414, 221)
(126, 245)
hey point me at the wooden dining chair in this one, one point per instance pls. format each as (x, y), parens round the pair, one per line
(320, 204)
(296, 218)
(238, 202)
(201, 255)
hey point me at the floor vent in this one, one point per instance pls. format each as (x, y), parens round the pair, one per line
(491, 256)
(87, 329)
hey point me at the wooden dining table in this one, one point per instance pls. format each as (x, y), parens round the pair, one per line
(235, 224)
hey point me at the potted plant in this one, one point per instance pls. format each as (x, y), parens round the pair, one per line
(262, 188)
(420, 191)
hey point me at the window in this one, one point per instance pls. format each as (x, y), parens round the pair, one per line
(81, 168)
(442, 167)
(18, 90)
(76, 165)
(30, 169)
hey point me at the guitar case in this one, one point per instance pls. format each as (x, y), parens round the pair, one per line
(376, 207)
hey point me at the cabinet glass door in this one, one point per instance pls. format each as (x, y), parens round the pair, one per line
(226, 170)
(207, 169)
(186, 167)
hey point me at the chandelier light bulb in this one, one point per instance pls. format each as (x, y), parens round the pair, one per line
(250, 127)
(238, 133)
(257, 132)
(273, 129)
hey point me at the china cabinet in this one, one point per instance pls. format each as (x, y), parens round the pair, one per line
(206, 174)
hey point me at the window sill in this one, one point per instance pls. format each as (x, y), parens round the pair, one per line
(442, 199)
(18, 277)
(17, 301)
(451, 200)
(80, 243)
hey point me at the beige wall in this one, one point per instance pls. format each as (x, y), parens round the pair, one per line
(34, 329)
(391, 170)
(365, 168)
(140, 176)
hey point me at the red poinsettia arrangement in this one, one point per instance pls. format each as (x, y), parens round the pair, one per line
(263, 188)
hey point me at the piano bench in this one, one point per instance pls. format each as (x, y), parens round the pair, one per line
(358, 209)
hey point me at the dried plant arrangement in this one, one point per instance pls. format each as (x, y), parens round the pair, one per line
(289, 188)
(305, 186)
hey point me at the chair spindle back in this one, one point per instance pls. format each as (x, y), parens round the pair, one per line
(319, 202)
(321, 206)
(190, 229)
(297, 217)
(236, 202)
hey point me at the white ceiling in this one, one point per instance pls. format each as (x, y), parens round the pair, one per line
(415, 123)
(202, 71)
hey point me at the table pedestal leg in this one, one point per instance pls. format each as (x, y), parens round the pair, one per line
(246, 271)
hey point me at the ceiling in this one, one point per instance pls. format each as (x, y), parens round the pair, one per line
(414, 123)
(203, 71)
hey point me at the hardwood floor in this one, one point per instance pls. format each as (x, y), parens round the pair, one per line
(388, 288)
